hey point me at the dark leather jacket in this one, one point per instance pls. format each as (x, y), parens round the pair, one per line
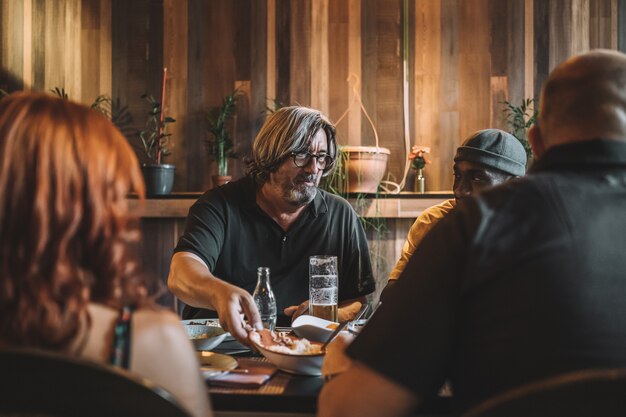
(526, 281)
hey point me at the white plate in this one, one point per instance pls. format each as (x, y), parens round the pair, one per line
(313, 328)
(212, 333)
(212, 364)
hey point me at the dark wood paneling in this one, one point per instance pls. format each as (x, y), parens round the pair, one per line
(90, 50)
(369, 65)
(338, 54)
(389, 108)
(175, 59)
(466, 57)
(474, 67)
(219, 64)
(507, 56)
(158, 239)
(299, 54)
(137, 61)
(621, 25)
(38, 49)
(445, 144)
(243, 30)
(15, 41)
(258, 73)
(283, 51)
(602, 33)
(541, 11)
(194, 147)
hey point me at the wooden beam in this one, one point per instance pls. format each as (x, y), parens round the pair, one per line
(105, 41)
(319, 55)
(529, 50)
(354, 67)
(27, 52)
(271, 53)
(175, 58)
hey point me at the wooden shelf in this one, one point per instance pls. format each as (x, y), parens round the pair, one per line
(399, 206)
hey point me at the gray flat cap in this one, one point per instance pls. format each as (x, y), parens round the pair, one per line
(495, 149)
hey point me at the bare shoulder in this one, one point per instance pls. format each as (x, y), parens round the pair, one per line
(158, 337)
(157, 323)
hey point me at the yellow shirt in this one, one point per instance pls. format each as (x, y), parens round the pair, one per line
(422, 225)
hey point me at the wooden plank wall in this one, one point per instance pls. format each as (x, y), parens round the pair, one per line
(48, 43)
(466, 57)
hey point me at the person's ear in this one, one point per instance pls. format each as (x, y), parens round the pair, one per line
(536, 141)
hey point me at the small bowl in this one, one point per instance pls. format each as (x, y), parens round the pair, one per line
(300, 364)
(313, 328)
(205, 337)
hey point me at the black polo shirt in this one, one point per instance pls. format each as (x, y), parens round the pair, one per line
(233, 236)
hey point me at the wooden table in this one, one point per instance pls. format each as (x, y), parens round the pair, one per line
(284, 395)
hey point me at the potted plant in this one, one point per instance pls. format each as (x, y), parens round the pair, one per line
(159, 177)
(219, 141)
(520, 119)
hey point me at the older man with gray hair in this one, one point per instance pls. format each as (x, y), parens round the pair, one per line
(274, 217)
(523, 282)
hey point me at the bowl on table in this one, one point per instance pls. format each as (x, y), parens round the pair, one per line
(313, 328)
(292, 361)
(205, 334)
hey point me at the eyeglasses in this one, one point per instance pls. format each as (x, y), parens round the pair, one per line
(302, 159)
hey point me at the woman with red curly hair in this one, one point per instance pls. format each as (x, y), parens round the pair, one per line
(68, 282)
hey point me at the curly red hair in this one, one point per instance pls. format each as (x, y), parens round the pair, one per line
(65, 172)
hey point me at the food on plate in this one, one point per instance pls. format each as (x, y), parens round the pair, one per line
(283, 342)
(332, 326)
(199, 336)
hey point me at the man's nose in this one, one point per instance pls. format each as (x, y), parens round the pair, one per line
(312, 166)
(462, 190)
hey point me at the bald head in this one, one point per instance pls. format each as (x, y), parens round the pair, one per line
(585, 98)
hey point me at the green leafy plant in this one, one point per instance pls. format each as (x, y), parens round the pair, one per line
(60, 92)
(113, 110)
(520, 118)
(219, 141)
(154, 136)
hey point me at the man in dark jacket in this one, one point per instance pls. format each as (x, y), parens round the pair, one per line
(537, 285)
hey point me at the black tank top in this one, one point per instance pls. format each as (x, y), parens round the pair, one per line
(120, 352)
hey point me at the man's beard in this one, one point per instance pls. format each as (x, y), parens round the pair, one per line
(297, 193)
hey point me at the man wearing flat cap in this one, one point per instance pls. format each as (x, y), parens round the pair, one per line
(487, 158)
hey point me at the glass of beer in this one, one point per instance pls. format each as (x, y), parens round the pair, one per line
(323, 290)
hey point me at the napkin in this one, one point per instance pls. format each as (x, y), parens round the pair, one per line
(249, 373)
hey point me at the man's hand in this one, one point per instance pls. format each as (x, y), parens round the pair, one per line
(348, 310)
(233, 304)
(296, 311)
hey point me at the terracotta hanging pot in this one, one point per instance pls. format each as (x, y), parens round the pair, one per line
(364, 167)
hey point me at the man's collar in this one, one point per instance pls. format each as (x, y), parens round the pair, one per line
(319, 205)
(603, 152)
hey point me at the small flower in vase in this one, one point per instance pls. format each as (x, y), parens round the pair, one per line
(418, 163)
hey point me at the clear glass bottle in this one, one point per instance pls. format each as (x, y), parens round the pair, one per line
(264, 298)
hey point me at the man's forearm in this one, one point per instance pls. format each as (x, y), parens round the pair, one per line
(191, 281)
